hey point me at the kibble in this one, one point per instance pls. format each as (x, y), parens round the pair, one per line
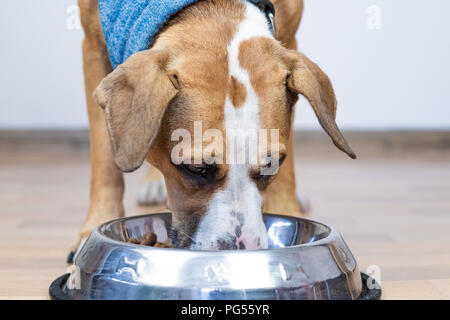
(150, 239)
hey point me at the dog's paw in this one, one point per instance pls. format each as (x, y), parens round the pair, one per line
(75, 250)
(152, 193)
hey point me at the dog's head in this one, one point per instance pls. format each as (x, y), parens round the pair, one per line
(185, 104)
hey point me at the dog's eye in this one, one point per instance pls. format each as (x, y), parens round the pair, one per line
(280, 161)
(266, 178)
(200, 173)
(196, 169)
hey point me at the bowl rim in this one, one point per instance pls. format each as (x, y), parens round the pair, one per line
(332, 234)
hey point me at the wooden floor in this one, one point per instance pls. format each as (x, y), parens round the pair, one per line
(391, 205)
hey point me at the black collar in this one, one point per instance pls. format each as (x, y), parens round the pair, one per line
(269, 10)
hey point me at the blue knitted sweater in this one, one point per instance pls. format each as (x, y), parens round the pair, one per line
(130, 26)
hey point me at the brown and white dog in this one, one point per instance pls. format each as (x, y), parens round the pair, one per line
(217, 62)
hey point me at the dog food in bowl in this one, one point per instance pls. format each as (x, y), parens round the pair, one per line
(150, 239)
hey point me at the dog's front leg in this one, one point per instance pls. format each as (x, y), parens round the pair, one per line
(107, 185)
(153, 191)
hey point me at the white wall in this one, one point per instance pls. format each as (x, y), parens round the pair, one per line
(395, 77)
(40, 77)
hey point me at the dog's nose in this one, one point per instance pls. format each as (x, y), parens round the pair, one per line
(252, 243)
(239, 244)
(240, 241)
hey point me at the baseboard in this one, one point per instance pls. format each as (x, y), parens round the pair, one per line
(78, 140)
(44, 140)
(389, 140)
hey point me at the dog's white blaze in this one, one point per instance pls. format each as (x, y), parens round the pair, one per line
(240, 194)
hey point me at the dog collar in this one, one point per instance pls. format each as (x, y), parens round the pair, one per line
(267, 7)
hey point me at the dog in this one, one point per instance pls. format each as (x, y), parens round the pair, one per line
(220, 62)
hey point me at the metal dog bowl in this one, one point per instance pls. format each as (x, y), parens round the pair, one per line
(305, 260)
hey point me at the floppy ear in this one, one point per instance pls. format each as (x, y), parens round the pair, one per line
(134, 98)
(309, 80)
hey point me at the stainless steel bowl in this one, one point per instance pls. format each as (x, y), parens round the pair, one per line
(305, 260)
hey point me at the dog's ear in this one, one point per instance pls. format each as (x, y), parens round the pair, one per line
(307, 79)
(134, 98)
